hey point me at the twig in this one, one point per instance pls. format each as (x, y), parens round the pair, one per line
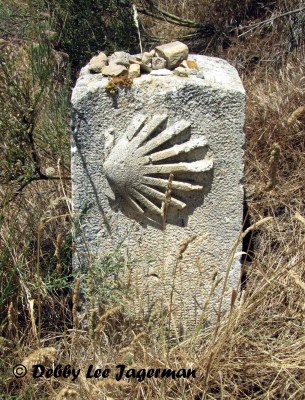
(257, 24)
(42, 177)
(207, 29)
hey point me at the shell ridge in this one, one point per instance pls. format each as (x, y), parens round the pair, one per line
(136, 124)
(163, 137)
(178, 149)
(194, 166)
(155, 122)
(161, 196)
(135, 159)
(175, 184)
(147, 203)
(134, 204)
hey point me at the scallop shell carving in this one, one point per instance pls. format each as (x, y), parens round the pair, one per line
(138, 170)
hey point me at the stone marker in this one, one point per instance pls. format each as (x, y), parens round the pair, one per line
(161, 72)
(157, 173)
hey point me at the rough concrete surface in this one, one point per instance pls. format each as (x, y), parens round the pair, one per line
(121, 168)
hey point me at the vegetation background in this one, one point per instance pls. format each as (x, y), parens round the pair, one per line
(255, 352)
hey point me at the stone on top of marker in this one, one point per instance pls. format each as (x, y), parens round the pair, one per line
(120, 58)
(98, 62)
(158, 63)
(147, 56)
(114, 70)
(174, 53)
(168, 56)
(134, 71)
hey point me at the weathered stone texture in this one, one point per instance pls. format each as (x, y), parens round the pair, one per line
(196, 241)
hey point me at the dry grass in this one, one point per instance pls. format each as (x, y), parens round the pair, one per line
(257, 351)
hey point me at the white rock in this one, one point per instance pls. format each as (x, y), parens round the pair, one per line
(174, 53)
(161, 72)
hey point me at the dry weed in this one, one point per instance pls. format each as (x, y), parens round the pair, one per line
(257, 350)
